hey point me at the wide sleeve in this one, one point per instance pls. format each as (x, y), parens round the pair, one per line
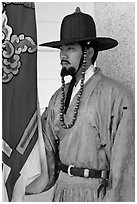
(51, 146)
(122, 166)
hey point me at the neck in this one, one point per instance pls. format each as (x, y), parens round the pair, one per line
(79, 73)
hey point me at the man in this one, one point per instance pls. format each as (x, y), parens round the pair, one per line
(88, 127)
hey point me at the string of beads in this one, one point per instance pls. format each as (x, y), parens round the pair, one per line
(62, 108)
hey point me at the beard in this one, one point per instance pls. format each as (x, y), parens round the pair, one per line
(66, 72)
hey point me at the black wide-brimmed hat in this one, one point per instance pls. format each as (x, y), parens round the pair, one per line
(78, 27)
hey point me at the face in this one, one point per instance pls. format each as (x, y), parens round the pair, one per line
(70, 55)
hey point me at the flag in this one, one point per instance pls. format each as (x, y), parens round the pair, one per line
(20, 147)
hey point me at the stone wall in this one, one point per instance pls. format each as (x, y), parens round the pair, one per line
(117, 20)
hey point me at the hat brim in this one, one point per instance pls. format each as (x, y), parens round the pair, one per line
(100, 43)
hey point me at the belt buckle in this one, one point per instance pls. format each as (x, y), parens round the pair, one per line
(86, 173)
(70, 166)
(104, 174)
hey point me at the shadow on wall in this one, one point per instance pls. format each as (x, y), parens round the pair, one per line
(119, 23)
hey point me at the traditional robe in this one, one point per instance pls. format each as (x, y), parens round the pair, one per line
(101, 138)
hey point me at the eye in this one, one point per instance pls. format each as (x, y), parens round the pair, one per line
(70, 48)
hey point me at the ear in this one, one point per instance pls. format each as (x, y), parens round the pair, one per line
(90, 52)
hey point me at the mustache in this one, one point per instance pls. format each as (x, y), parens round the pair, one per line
(65, 72)
(66, 61)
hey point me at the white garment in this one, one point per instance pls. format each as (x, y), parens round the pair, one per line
(32, 167)
(89, 72)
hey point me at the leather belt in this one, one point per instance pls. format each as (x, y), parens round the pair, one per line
(83, 172)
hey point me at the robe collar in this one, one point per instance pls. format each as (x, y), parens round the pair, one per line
(89, 72)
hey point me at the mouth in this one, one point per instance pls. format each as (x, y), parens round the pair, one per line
(64, 63)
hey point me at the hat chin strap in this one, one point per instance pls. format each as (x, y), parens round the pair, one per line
(80, 63)
(62, 108)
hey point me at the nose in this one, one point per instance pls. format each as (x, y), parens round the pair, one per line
(63, 55)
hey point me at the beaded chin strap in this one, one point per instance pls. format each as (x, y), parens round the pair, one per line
(63, 124)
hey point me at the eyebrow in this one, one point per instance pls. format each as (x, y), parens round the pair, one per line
(71, 44)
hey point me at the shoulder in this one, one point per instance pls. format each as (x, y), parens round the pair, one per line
(54, 97)
(110, 91)
(112, 86)
(48, 110)
(57, 95)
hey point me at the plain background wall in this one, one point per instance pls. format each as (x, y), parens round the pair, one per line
(117, 20)
(113, 19)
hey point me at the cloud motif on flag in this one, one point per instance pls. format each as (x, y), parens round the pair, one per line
(12, 47)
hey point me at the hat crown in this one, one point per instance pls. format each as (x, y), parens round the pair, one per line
(77, 10)
(77, 26)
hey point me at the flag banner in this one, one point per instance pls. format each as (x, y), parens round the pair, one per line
(19, 90)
